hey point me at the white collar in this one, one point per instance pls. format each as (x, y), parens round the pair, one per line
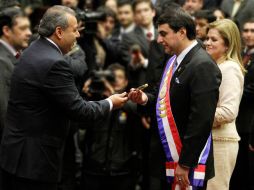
(9, 47)
(51, 41)
(128, 29)
(152, 29)
(181, 56)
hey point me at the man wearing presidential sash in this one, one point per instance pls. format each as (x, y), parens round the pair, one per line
(185, 103)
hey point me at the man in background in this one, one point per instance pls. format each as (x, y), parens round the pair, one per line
(202, 20)
(14, 36)
(192, 6)
(125, 17)
(238, 10)
(135, 45)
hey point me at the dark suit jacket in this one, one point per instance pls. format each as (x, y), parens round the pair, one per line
(7, 61)
(244, 13)
(194, 95)
(156, 63)
(245, 119)
(136, 37)
(42, 99)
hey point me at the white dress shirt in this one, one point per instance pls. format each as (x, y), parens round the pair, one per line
(181, 56)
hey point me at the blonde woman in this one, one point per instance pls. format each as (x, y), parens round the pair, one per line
(223, 43)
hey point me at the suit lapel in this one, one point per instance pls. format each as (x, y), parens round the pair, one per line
(8, 54)
(185, 61)
(142, 38)
(155, 34)
(230, 7)
(243, 4)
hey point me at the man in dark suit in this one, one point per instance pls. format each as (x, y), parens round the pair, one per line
(193, 88)
(239, 10)
(125, 16)
(14, 35)
(243, 175)
(43, 97)
(135, 45)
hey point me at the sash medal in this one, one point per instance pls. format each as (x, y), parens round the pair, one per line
(170, 138)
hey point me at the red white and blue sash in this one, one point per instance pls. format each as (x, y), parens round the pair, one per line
(169, 135)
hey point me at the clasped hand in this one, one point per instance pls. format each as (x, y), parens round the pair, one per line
(137, 96)
(119, 100)
(181, 175)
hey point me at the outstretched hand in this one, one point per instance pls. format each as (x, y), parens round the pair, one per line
(137, 96)
(119, 100)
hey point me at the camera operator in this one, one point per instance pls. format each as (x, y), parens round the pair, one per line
(99, 85)
(112, 147)
(96, 38)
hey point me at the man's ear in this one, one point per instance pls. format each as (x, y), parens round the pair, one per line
(182, 31)
(59, 32)
(6, 31)
(126, 82)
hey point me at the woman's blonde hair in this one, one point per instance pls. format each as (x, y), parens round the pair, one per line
(231, 35)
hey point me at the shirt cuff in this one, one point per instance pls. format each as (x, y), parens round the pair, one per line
(145, 65)
(110, 104)
(144, 103)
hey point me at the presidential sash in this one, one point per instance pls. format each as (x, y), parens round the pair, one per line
(169, 135)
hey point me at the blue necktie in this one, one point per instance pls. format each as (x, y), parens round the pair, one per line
(174, 66)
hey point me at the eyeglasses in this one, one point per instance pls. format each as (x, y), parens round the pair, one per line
(248, 30)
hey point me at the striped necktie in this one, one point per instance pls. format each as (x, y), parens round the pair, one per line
(174, 66)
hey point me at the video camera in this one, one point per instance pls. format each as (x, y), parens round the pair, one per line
(90, 19)
(97, 86)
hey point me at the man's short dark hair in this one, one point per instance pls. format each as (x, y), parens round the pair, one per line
(122, 3)
(137, 2)
(177, 19)
(8, 17)
(108, 12)
(8, 3)
(250, 20)
(116, 66)
(205, 14)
